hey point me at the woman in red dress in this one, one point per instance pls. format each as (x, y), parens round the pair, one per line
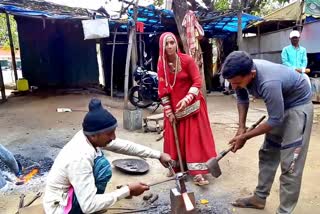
(184, 105)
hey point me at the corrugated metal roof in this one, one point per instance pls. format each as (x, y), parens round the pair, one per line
(290, 12)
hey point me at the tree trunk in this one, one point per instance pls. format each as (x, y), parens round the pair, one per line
(13, 57)
(134, 54)
(180, 8)
(237, 5)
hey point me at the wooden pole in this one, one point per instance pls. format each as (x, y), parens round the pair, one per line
(134, 54)
(112, 58)
(239, 14)
(126, 75)
(201, 70)
(259, 41)
(3, 90)
(140, 50)
(13, 57)
(299, 22)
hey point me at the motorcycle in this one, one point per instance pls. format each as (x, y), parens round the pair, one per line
(145, 93)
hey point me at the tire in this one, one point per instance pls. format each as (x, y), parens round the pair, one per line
(137, 100)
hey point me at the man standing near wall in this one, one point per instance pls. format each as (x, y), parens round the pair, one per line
(294, 55)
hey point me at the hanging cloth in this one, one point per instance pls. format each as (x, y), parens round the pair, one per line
(194, 32)
(140, 27)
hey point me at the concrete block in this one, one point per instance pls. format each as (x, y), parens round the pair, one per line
(132, 119)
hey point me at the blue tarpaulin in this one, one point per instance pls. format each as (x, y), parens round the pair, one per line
(159, 20)
(26, 12)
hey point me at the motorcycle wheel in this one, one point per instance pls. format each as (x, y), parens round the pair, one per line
(136, 99)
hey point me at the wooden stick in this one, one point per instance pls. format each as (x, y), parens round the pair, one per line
(224, 152)
(176, 140)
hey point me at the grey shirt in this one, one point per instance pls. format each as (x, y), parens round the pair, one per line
(280, 87)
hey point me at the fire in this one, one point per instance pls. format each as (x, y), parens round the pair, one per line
(28, 176)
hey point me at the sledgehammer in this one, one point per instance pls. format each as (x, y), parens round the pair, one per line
(212, 163)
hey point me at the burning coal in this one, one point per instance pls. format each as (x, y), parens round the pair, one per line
(26, 178)
(43, 165)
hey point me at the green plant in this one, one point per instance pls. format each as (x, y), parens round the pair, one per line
(4, 37)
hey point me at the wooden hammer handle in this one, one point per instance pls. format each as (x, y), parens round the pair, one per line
(176, 140)
(257, 123)
(224, 152)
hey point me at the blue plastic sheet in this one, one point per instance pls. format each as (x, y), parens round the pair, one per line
(158, 20)
(26, 12)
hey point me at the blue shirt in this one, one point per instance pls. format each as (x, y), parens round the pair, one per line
(279, 87)
(294, 57)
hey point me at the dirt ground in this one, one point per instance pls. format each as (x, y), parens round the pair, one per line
(30, 126)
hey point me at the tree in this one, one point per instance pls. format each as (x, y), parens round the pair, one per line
(4, 38)
(158, 2)
(255, 7)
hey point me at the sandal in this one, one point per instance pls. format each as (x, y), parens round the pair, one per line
(250, 202)
(200, 180)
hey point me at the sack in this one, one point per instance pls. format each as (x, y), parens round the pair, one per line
(95, 29)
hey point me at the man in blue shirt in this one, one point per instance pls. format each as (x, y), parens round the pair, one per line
(287, 96)
(294, 55)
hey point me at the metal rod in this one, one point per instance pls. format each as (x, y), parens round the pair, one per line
(117, 43)
(160, 182)
(126, 210)
(38, 195)
(171, 169)
(135, 211)
(144, 33)
(13, 57)
(176, 140)
(21, 203)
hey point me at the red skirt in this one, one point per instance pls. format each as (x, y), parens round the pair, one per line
(195, 139)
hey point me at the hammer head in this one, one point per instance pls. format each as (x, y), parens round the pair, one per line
(213, 167)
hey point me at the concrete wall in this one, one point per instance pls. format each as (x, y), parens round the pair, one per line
(271, 44)
(310, 37)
